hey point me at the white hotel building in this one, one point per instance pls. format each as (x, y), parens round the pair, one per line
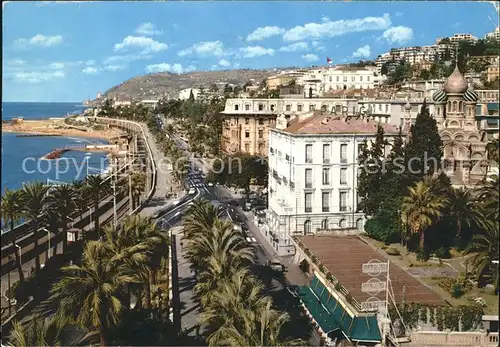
(313, 175)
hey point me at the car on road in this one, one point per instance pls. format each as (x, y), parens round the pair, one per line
(210, 184)
(276, 265)
(192, 191)
(251, 239)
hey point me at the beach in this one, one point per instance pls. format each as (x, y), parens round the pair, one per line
(57, 127)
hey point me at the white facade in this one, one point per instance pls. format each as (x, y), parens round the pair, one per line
(494, 35)
(350, 78)
(313, 184)
(185, 93)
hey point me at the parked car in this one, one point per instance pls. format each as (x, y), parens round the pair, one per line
(275, 265)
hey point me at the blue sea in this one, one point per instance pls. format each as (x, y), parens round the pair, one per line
(21, 155)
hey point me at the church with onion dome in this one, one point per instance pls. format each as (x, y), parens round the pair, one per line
(464, 144)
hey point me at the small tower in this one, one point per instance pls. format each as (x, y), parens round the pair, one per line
(439, 97)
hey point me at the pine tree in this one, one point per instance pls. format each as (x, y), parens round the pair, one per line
(425, 145)
(191, 95)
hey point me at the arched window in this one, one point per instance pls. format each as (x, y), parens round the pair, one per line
(324, 224)
(460, 107)
(359, 224)
(307, 227)
(247, 107)
(236, 107)
(454, 107)
(342, 223)
(261, 107)
(272, 107)
(438, 111)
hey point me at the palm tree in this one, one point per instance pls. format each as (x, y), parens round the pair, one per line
(138, 187)
(34, 196)
(489, 196)
(90, 293)
(484, 250)
(39, 331)
(463, 209)
(200, 217)
(63, 200)
(11, 212)
(421, 208)
(97, 188)
(81, 199)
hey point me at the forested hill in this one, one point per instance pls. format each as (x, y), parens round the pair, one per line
(168, 84)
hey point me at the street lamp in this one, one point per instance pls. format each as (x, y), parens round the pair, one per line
(20, 253)
(48, 247)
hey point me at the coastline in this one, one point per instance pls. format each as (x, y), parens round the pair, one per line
(96, 134)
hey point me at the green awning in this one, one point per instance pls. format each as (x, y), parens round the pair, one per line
(331, 315)
(492, 106)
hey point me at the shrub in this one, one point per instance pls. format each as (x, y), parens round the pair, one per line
(443, 253)
(457, 290)
(99, 127)
(392, 251)
(456, 286)
(423, 254)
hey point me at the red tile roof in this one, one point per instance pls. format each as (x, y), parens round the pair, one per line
(326, 124)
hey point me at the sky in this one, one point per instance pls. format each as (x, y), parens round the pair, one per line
(69, 51)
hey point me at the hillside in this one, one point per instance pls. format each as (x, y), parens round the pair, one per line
(167, 84)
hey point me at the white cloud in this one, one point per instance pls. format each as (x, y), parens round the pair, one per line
(318, 46)
(16, 62)
(147, 29)
(265, 32)
(115, 67)
(165, 67)
(37, 77)
(310, 57)
(336, 28)
(126, 58)
(147, 44)
(40, 41)
(89, 70)
(295, 47)
(57, 65)
(362, 52)
(206, 48)
(256, 51)
(399, 34)
(224, 63)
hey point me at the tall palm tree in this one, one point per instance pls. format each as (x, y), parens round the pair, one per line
(97, 188)
(421, 208)
(138, 187)
(463, 209)
(81, 199)
(39, 331)
(63, 200)
(11, 211)
(34, 196)
(489, 196)
(90, 293)
(484, 249)
(200, 218)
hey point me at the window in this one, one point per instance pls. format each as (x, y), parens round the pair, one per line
(386, 108)
(361, 78)
(308, 177)
(261, 134)
(236, 107)
(309, 152)
(326, 176)
(247, 120)
(261, 121)
(342, 223)
(308, 202)
(379, 107)
(247, 107)
(326, 153)
(330, 79)
(324, 224)
(247, 133)
(343, 153)
(338, 78)
(345, 78)
(247, 147)
(353, 78)
(312, 107)
(361, 146)
(299, 108)
(368, 78)
(343, 176)
(272, 107)
(325, 202)
(343, 201)
(288, 107)
(261, 148)
(359, 224)
(307, 227)
(261, 107)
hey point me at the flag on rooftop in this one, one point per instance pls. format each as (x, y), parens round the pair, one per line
(328, 60)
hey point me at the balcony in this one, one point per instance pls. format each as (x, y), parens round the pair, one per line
(343, 208)
(308, 209)
(325, 209)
